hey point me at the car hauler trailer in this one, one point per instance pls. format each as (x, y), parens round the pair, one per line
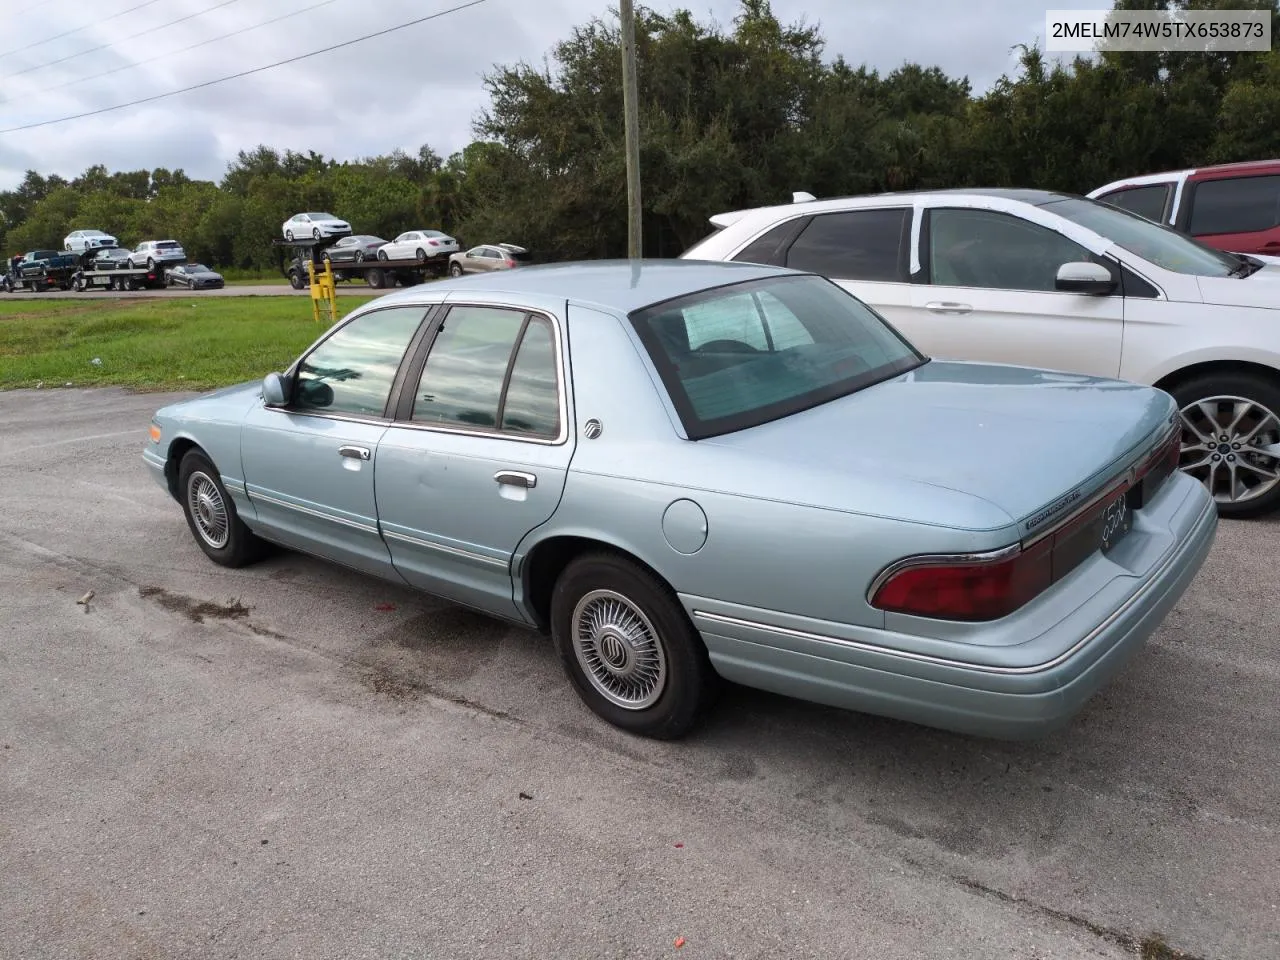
(376, 273)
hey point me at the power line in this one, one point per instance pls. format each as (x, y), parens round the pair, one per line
(114, 16)
(140, 33)
(246, 73)
(203, 43)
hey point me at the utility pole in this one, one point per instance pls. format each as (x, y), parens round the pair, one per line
(631, 116)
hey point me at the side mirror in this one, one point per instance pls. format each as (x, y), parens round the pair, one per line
(1083, 276)
(273, 390)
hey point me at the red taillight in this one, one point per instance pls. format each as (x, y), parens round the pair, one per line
(434, 243)
(978, 590)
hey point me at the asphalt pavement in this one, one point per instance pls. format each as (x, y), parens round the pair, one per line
(294, 760)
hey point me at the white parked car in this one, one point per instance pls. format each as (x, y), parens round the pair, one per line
(420, 245)
(314, 225)
(82, 241)
(149, 253)
(1062, 282)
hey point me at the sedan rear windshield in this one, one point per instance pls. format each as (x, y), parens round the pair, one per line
(1163, 246)
(738, 356)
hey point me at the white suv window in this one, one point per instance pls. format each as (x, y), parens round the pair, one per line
(1146, 201)
(984, 248)
(854, 245)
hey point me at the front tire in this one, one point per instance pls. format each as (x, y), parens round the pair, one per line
(211, 514)
(629, 647)
(1231, 440)
(455, 270)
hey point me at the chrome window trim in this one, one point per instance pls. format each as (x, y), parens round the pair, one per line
(344, 417)
(1153, 581)
(562, 397)
(443, 548)
(354, 524)
(939, 560)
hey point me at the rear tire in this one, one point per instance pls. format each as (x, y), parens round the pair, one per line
(629, 647)
(1228, 421)
(211, 514)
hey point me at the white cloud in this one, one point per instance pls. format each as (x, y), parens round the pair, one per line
(414, 86)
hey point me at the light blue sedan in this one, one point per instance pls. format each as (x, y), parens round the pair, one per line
(686, 472)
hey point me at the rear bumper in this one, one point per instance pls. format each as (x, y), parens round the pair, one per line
(861, 670)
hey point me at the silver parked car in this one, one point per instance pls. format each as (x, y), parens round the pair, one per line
(688, 471)
(488, 257)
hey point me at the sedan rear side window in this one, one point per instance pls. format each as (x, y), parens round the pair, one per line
(1146, 201)
(351, 372)
(853, 245)
(1238, 205)
(738, 356)
(493, 369)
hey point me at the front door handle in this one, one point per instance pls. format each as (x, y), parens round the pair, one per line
(516, 478)
(355, 453)
(947, 306)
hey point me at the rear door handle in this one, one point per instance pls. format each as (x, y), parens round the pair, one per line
(516, 478)
(947, 306)
(355, 453)
(1271, 244)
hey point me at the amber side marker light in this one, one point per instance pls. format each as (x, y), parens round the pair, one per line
(155, 433)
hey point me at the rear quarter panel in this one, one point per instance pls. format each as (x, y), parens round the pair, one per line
(761, 554)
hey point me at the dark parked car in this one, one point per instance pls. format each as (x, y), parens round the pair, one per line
(107, 258)
(195, 276)
(354, 249)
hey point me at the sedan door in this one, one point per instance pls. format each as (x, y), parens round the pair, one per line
(991, 295)
(309, 466)
(478, 454)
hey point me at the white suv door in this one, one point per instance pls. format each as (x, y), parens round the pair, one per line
(989, 293)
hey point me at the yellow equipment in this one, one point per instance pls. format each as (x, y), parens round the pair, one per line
(324, 290)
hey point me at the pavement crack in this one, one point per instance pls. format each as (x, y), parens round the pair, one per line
(1150, 947)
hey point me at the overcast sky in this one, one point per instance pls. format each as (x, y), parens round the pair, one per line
(413, 86)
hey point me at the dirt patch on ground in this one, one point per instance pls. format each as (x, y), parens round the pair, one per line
(197, 611)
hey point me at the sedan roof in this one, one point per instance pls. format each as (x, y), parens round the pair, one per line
(623, 285)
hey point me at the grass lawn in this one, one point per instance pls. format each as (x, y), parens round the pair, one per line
(171, 343)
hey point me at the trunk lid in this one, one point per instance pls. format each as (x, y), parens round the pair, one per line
(1019, 439)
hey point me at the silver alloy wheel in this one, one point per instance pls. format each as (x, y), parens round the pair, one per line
(619, 650)
(207, 507)
(1232, 446)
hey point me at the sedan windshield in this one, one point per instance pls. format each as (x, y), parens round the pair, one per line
(1163, 246)
(738, 356)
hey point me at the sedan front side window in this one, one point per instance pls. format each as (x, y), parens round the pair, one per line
(352, 371)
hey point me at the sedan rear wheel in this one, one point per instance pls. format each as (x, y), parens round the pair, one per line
(629, 647)
(420, 254)
(1231, 440)
(211, 514)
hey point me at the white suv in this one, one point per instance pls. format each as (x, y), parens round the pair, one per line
(151, 252)
(1061, 282)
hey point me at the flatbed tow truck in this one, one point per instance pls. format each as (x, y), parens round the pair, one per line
(376, 273)
(118, 278)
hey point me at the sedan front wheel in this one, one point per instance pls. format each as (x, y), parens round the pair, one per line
(211, 514)
(1231, 440)
(629, 647)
